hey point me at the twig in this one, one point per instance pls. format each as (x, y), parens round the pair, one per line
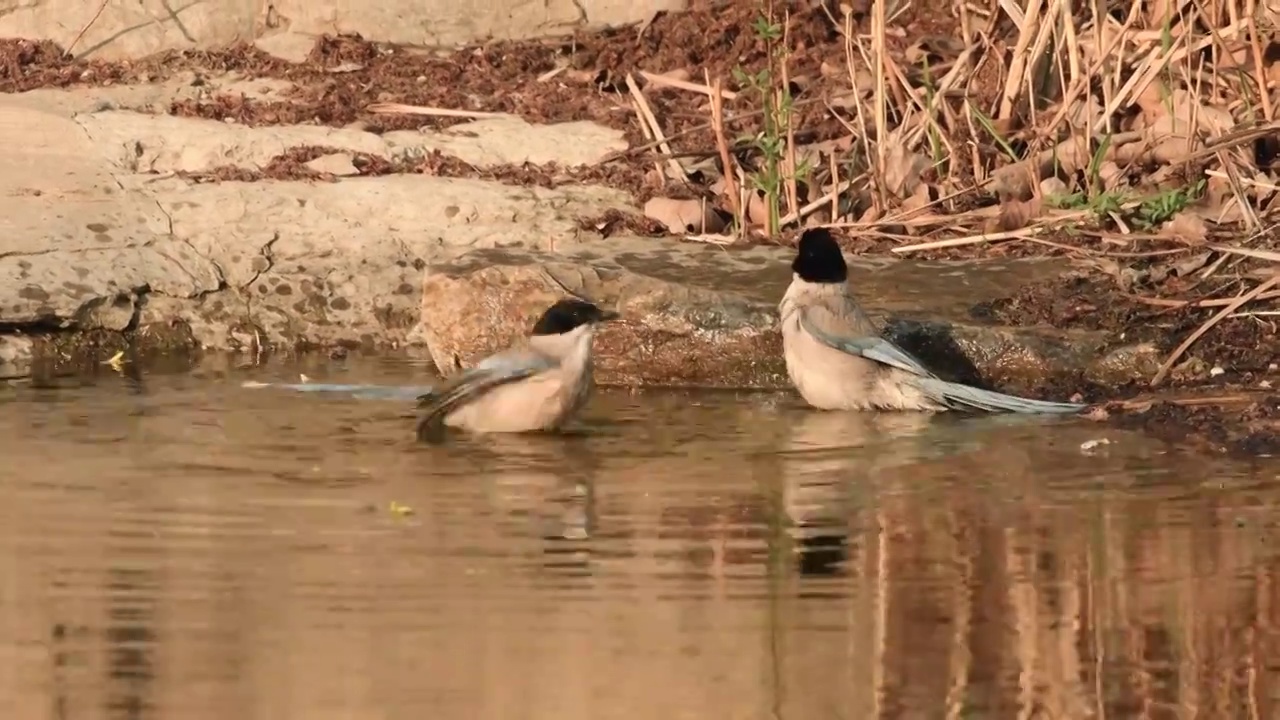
(1248, 252)
(544, 77)
(647, 113)
(834, 168)
(812, 207)
(1144, 404)
(399, 109)
(708, 90)
(1214, 302)
(722, 144)
(644, 129)
(712, 239)
(793, 197)
(967, 240)
(101, 7)
(1208, 324)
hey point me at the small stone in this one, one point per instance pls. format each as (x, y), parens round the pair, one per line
(340, 164)
(15, 349)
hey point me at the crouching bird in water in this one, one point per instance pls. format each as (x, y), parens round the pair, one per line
(537, 384)
(837, 359)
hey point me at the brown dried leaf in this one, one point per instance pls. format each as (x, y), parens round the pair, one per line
(937, 45)
(1052, 186)
(1017, 214)
(580, 77)
(821, 216)
(1111, 175)
(903, 169)
(684, 216)
(757, 209)
(1186, 226)
(1190, 264)
(863, 82)
(1168, 123)
(918, 199)
(1218, 204)
(1017, 180)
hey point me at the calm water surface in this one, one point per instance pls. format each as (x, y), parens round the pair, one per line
(182, 547)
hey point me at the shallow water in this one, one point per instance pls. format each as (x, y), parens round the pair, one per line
(178, 546)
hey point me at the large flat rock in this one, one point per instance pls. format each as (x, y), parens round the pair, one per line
(142, 142)
(97, 233)
(73, 241)
(142, 27)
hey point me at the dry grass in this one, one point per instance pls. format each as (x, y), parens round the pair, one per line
(1139, 130)
(1151, 124)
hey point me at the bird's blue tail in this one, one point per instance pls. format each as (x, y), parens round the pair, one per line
(965, 397)
(364, 392)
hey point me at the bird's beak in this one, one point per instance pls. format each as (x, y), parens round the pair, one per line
(607, 315)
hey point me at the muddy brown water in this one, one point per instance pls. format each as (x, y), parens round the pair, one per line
(179, 546)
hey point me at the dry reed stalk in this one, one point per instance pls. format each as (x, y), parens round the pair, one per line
(726, 158)
(1215, 302)
(831, 197)
(76, 40)
(1247, 252)
(966, 240)
(736, 118)
(710, 92)
(834, 197)
(789, 159)
(676, 169)
(401, 109)
(880, 107)
(648, 134)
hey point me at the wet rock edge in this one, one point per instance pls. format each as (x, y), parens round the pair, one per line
(1035, 361)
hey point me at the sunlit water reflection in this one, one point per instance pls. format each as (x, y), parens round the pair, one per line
(184, 547)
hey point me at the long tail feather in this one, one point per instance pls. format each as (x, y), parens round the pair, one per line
(960, 397)
(376, 392)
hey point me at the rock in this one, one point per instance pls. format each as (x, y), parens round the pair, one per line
(288, 46)
(142, 143)
(88, 243)
(74, 242)
(136, 29)
(340, 164)
(690, 334)
(15, 356)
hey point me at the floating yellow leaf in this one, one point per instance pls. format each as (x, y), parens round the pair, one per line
(116, 361)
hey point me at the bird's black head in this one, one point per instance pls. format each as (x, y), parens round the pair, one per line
(818, 258)
(570, 313)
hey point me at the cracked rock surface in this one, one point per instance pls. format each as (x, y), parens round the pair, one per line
(100, 234)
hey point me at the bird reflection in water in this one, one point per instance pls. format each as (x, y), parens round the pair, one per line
(546, 489)
(829, 459)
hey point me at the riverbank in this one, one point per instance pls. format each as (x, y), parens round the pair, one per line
(238, 201)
